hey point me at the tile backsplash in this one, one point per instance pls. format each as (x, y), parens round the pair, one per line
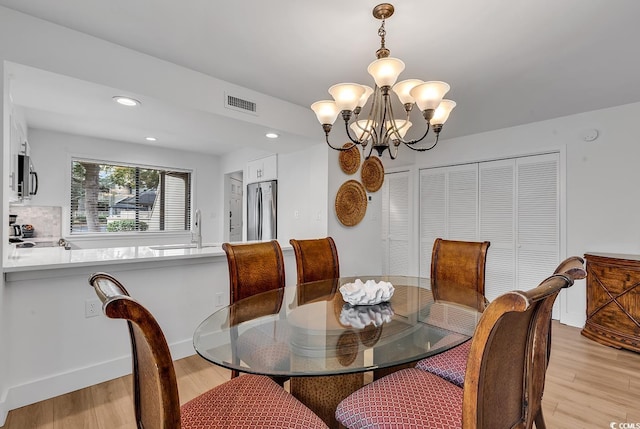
(46, 221)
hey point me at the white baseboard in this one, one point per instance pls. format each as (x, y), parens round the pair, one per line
(59, 384)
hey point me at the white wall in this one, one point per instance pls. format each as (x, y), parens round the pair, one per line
(302, 194)
(358, 246)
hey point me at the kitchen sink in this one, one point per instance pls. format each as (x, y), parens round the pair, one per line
(182, 246)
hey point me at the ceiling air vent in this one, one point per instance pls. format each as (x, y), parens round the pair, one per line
(239, 104)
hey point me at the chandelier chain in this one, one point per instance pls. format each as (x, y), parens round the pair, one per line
(383, 52)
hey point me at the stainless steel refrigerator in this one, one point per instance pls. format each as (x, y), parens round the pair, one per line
(262, 204)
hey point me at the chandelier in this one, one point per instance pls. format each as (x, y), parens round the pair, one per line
(381, 130)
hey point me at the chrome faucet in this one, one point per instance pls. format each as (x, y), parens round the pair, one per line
(196, 232)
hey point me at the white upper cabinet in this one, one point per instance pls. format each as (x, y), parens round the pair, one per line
(262, 169)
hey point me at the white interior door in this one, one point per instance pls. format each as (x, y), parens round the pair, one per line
(448, 208)
(538, 220)
(497, 224)
(395, 224)
(235, 209)
(512, 203)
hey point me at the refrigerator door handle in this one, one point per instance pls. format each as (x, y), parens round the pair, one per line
(259, 211)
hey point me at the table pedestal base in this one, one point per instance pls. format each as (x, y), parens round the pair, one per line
(323, 394)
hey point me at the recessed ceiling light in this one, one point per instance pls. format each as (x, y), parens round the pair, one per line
(271, 135)
(126, 101)
(150, 139)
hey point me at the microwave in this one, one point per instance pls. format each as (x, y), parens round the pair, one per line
(27, 177)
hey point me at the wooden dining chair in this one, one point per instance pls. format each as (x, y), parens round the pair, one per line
(455, 267)
(247, 401)
(254, 268)
(505, 376)
(316, 259)
(452, 364)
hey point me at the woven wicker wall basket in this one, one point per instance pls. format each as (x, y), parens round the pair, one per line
(372, 173)
(351, 203)
(349, 160)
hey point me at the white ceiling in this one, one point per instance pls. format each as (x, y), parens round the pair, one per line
(508, 62)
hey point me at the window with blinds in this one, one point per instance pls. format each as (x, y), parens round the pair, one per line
(109, 198)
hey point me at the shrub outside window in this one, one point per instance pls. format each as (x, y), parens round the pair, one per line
(117, 198)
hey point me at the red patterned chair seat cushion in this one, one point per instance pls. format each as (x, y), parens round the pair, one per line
(406, 399)
(264, 348)
(453, 317)
(248, 401)
(450, 365)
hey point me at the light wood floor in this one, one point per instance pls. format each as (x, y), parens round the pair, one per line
(588, 386)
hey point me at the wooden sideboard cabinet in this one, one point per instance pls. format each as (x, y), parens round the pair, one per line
(613, 300)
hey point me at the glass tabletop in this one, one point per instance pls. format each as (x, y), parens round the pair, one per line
(310, 330)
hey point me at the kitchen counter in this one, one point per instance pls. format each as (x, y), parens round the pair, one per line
(38, 262)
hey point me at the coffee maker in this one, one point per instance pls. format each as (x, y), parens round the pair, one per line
(15, 231)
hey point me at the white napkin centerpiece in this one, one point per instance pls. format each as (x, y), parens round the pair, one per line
(361, 316)
(367, 293)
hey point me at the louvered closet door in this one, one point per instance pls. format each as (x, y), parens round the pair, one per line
(497, 225)
(519, 215)
(395, 223)
(448, 208)
(538, 219)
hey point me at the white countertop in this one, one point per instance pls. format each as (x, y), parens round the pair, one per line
(47, 258)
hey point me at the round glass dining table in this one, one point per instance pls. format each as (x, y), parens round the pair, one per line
(309, 334)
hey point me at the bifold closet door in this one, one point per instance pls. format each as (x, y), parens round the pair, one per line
(395, 225)
(448, 208)
(513, 203)
(519, 215)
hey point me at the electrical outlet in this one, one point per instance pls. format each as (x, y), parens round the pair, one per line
(91, 308)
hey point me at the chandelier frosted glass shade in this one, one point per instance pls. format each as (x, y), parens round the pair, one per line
(381, 129)
(347, 95)
(398, 128)
(428, 95)
(385, 71)
(362, 129)
(442, 112)
(326, 111)
(403, 90)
